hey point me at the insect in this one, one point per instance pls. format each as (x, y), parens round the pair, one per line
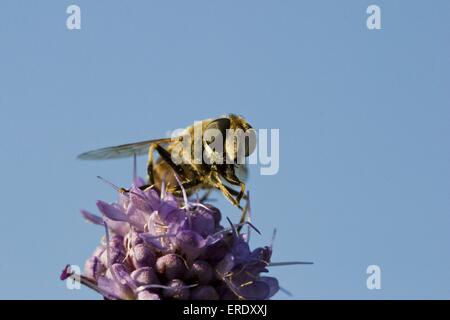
(220, 162)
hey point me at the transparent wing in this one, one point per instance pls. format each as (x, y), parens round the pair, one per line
(122, 151)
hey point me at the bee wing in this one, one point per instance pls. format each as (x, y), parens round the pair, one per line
(122, 151)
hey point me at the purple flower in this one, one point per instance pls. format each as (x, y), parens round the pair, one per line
(158, 246)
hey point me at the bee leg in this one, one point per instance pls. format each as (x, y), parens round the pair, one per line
(235, 193)
(188, 184)
(205, 196)
(243, 216)
(231, 177)
(244, 210)
(219, 185)
(228, 195)
(150, 173)
(241, 192)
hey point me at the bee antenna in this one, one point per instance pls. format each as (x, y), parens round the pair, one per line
(109, 183)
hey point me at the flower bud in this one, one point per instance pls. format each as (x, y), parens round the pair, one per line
(204, 293)
(144, 276)
(177, 290)
(115, 256)
(201, 272)
(171, 265)
(94, 267)
(142, 256)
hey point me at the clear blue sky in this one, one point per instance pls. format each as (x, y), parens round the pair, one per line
(364, 121)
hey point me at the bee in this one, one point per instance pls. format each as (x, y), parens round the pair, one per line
(224, 142)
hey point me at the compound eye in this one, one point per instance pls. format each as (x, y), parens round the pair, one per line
(250, 141)
(217, 127)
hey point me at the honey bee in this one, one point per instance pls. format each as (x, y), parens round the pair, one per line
(224, 143)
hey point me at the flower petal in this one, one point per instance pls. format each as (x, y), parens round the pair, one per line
(190, 243)
(91, 217)
(225, 265)
(154, 241)
(272, 283)
(112, 212)
(113, 290)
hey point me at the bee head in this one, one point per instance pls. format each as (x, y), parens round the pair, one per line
(230, 139)
(244, 137)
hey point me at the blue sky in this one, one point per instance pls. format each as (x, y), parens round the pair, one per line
(364, 122)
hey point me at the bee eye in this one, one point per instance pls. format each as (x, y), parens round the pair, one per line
(250, 141)
(218, 126)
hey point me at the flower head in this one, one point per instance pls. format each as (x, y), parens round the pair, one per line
(157, 246)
